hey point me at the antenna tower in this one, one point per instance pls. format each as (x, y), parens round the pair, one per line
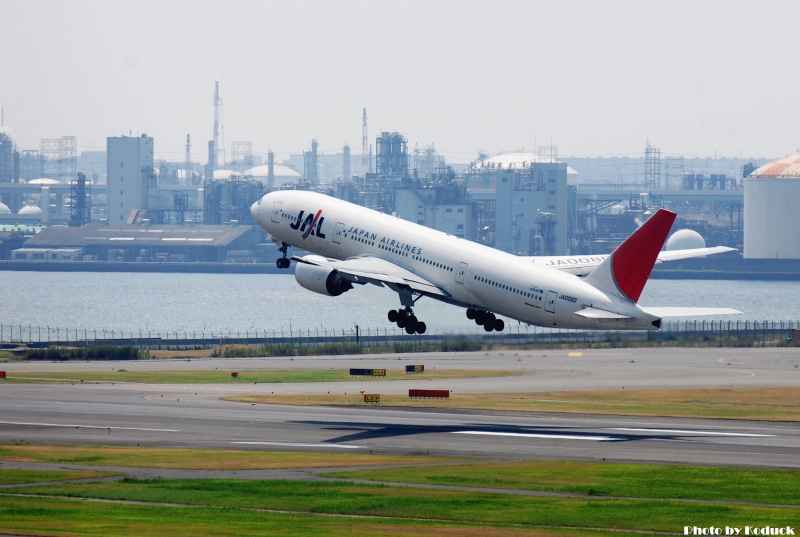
(364, 141)
(187, 179)
(219, 129)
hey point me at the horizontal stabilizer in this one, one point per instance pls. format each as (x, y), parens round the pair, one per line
(674, 255)
(690, 312)
(594, 313)
(581, 265)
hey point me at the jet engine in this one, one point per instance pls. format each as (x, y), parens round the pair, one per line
(322, 280)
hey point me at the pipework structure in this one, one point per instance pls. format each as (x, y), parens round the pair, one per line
(81, 208)
(346, 162)
(652, 167)
(187, 179)
(310, 163)
(365, 159)
(242, 155)
(392, 155)
(219, 129)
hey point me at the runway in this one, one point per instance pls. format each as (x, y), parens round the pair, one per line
(195, 416)
(97, 415)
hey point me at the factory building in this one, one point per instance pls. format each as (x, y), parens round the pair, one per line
(443, 207)
(132, 182)
(528, 196)
(145, 243)
(771, 215)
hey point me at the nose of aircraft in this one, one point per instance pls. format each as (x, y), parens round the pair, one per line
(254, 210)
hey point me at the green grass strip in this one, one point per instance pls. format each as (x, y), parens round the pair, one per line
(244, 377)
(13, 476)
(53, 516)
(201, 459)
(440, 505)
(602, 479)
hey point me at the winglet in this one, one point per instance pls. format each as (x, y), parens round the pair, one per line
(627, 269)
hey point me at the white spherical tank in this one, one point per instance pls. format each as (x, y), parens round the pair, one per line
(282, 174)
(685, 239)
(30, 210)
(4, 208)
(772, 210)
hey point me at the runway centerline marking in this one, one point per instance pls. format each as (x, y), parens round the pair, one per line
(298, 444)
(104, 427)
(545, 435)
(680, 431)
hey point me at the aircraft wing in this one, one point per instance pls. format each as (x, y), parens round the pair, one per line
(368, 269)
(582, 265)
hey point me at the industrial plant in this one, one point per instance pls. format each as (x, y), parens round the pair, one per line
(124, 205)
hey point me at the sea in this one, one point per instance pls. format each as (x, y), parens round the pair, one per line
(266, 304)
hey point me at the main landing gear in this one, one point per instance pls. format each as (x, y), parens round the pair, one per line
(405, 319)
(283, 262)
(486, 319)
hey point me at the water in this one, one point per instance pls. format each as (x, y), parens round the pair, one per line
(221, 302)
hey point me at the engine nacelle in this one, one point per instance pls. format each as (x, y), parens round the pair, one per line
(322, 280)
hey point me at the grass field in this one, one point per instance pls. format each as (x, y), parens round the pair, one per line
(52, 516)
(399, 504)
(12, 476)
(600, 479)
(647, 497)
(774, 404)
(245, 376)
(199, 459)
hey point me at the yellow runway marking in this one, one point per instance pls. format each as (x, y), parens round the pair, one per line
(575, 354)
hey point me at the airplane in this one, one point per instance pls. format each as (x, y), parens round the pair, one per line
(353, 245)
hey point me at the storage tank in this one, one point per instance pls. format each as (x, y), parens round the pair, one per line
(685, 239)
(772, 210)
(282, 174)
(30, 210)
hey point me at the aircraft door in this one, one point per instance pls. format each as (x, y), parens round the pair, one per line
(337, 233)
(461, 272)
(550, 302)
(276, 211)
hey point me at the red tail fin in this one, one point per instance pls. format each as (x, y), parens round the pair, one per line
(633, 261)
(625, 272)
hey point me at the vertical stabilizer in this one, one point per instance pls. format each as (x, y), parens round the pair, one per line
(625, 272)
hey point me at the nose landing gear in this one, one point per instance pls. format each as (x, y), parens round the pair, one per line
(486, 319)
(406, 319)
(283, 262)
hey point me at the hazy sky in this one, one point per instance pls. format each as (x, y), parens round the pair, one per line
(598, 78)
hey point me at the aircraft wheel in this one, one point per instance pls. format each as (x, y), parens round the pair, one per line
(401, 322)
(489, 319)
(411, 320)
(410, 329)
(392, 316)
(488, 327)
(499, 325)
(471, 314)
(421, 327)
(279, 263)
(480, 317)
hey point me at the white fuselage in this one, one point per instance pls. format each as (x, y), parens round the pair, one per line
(471, 274)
